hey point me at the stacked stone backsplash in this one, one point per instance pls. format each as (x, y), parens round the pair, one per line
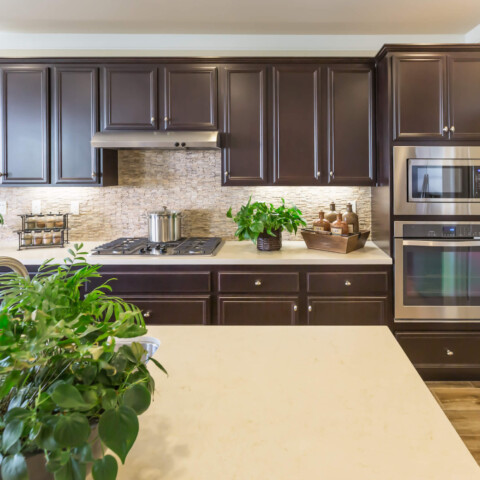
(188, 181)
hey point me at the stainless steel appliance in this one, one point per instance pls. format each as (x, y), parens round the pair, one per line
(138, 140)
(164, 226)
(208, 246)
(436, 180)
(437, 271)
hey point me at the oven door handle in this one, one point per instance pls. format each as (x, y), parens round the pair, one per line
(441, 243)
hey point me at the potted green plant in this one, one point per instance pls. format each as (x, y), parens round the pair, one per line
(263, 223)
(66, 386)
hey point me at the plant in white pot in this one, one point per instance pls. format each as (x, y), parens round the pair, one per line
(67, 390)
(263, 223)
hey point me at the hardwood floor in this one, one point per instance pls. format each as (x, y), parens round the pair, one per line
(461, 403)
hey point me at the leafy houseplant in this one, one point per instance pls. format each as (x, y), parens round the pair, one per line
(65, 386)
(263, 224)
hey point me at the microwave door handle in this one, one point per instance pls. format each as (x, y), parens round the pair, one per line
(441, 243)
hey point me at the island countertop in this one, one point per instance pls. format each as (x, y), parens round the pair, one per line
(289, 403)
(231, 253)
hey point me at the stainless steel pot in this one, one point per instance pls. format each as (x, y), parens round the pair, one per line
(164, 226)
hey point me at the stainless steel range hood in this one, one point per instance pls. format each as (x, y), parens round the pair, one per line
(138, 140)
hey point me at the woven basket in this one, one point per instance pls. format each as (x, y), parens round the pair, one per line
(267, 243)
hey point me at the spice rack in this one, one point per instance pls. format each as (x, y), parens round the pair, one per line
(43, 231)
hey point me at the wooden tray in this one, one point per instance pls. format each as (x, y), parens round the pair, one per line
(335, 243)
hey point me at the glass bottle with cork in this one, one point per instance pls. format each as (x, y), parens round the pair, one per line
(331, 216)
(351, 219)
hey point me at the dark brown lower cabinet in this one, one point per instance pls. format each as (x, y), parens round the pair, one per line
(174, 310)
(443, 355)
(347, 310)
(257, 310)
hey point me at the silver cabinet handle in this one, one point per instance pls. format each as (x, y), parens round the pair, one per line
(348, 283)
(318, 173)
(258, 283)
(310, 308)
(147, 314)
(445, 129)
(450, 353)
(452, 129)
(295, 308)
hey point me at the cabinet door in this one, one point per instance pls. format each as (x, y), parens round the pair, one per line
(174, 310)
(464, 97)
(190, 96)
(296, 106)
(24, 125)
(347, 311)
(257, 310)
(130, 97)
(244, 123)
(420, 107)
(75, 120)
(350, 107)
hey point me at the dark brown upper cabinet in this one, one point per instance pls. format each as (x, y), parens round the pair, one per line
(24, 125)
(190, 97)
(129, 97)
(464, 96)
(75, 120)
(350, 125)
(295, 124)
(420, 97)
(244, 124)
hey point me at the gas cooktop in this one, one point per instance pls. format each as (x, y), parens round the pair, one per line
(207, 246)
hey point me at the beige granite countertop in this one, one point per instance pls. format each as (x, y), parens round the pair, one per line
(231, 253)
(292, 403)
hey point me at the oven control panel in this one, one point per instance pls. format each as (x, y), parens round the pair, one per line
(441, 230)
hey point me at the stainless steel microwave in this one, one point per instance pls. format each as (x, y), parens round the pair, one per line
(436, 180)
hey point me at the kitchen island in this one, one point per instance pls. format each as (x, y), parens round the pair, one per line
(257, 403)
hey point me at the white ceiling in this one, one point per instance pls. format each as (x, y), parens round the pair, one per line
(316, 17)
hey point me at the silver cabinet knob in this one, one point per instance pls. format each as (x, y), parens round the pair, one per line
(310, 308)
(94, 174)
(147, 314)
(3, 174)
(348, 283)
(445, 129)
(258, 283)
(295, 308)
(452, 129)
(331, 173)
(226, 173)
(165, 119)
(450, 353)
(318, 173)
(152, 119)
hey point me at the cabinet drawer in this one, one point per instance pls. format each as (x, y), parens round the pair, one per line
(260, 282)
(428, 350)
(144, 283)
(347, 311)
(257, 310)
(179, 310)
(354, 283)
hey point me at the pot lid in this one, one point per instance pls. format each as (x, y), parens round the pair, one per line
(165, 212)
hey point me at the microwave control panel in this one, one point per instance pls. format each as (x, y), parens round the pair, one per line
(438, 230)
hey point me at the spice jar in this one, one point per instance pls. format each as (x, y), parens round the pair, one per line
(332, 214)
(339, 227)
(47, 238)
(40, 222)
(37, 238)
(351, 219)
(57, 238)
(27, 239)
(49, 222)
(59, 222)
(30, 223)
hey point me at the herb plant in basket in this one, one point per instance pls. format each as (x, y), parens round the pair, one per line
(67, 391)
(263, 223)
